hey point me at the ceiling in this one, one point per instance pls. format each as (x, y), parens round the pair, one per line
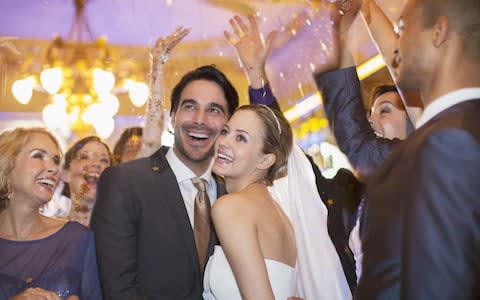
(133, 25)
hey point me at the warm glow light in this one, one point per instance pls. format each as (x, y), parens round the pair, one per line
(104, 127)
(80, 74)
(364, 70)
(302, 108)
(74, 115)
(51, 80)
(55, 115)
(370, 66)
(91, 113)
(110, 104)
(60, 99)
(22, 89)
(103, 81)
(138, 93)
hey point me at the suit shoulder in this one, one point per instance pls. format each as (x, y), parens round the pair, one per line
(130, 168)
(463, 116)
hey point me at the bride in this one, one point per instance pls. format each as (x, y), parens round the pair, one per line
(258, 244)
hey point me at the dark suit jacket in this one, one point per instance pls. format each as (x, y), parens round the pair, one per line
(144, 239)
(422, 237)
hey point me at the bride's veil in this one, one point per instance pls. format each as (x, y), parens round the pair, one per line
(319, 271)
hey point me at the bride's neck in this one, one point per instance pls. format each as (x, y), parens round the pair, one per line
(234, 186)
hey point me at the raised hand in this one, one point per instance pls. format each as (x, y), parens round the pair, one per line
(290, 29)
(341, 15)
(163, 46)
(252, 49)
(159, 54)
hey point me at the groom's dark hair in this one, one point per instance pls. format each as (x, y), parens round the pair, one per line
(208, 73)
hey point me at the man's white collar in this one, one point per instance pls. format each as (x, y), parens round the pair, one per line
(446, 101)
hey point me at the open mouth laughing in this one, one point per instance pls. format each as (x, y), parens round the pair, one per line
(47, 182)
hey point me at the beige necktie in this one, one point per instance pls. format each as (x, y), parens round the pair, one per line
(202, 221)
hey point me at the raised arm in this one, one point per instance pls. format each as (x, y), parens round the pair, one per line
(343, 103)
(253, 51)
(355, 137)
(381, 29)
(153, 128)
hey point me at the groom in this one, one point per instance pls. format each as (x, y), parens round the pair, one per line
(143, 217)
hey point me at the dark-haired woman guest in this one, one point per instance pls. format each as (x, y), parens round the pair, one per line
(84, 162)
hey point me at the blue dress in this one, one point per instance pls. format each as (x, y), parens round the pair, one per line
(64, 262)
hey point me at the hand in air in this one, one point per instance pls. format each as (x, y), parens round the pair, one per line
(247, 39)
(163, 46)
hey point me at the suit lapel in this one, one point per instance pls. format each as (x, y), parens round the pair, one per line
(173, 198)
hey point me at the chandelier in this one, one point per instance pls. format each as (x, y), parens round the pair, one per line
(78, 75)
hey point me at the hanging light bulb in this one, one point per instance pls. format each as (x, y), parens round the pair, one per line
(91, 113)
(22, 89)
(110, 103)
(138, 93)
(51, 80)
(103, 81)
(104, 127)
(55, 115)
(78, 73)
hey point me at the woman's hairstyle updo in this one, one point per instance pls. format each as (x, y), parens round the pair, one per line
(278, 138)
(11, 144)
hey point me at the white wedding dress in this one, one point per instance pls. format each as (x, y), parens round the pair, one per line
(219, 282)
(318, 273)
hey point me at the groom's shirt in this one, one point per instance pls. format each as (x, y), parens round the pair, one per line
(184, 177)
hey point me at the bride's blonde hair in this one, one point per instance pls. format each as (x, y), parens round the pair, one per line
(277, 139)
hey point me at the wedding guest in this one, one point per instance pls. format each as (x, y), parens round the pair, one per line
(387, 121)
(41, 257)
(84, 162)
(414, 194)
(128, 145)
(138, 142)
(387, 115)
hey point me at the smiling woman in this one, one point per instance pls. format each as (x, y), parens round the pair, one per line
(85, 161)
(29, 173)
(387, 115)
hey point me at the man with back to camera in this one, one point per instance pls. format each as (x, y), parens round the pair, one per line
(423, 232)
